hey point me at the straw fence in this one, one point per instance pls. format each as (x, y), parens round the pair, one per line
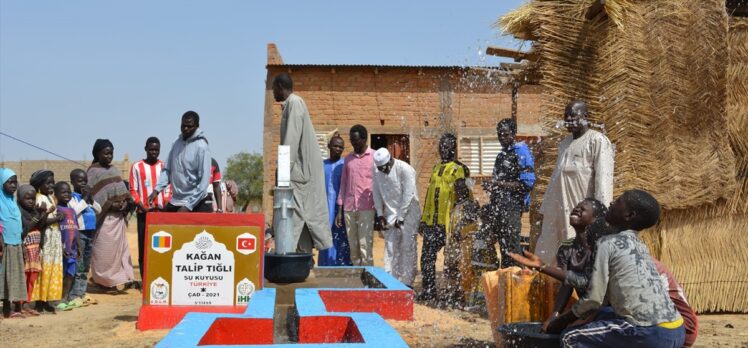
(654, 74)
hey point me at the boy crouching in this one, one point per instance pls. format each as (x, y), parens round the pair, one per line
(641, 313)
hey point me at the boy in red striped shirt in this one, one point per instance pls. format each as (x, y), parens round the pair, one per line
(143, 179)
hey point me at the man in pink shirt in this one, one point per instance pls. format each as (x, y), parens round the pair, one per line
(356, 199)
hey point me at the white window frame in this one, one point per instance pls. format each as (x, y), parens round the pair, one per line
(485, 164)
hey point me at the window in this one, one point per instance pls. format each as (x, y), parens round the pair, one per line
(478, 154)
(322, 139)
(397, 144)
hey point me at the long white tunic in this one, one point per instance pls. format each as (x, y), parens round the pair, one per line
(307, 173)
(395, 193)
(584, 169)
(396, 198)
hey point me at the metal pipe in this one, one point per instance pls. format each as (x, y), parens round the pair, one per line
(283, 220)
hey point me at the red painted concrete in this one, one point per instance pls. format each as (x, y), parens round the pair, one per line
(236, 331)
(397, 305)
(328, 329)
(166, 317)
(201, 218)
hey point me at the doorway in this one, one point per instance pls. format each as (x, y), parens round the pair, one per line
(397, 144)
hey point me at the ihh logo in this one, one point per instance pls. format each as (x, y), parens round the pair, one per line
(244, 291)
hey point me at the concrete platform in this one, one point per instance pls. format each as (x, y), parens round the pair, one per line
(335, 307)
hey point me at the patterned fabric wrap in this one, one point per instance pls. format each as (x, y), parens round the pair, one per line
(107, 186)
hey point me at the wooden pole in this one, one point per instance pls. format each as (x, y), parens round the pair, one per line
(515, 89)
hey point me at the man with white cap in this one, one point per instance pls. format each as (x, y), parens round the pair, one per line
(396, 203)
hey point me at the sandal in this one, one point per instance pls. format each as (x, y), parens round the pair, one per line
(88, 300)
(82, 301)
(16, 315)
(49, 308)
(31, 312)
(62, 306)
(134, 285)
(76, 303)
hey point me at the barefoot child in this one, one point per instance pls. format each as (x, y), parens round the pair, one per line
(483, 258)
(69, 237)
(48, 286)
(574, 255)
(85, 209)
(580, 280)
(12, 279)
(32, 218)
(463, 224)
(641, 311)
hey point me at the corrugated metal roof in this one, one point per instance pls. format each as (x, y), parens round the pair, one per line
(453, 67)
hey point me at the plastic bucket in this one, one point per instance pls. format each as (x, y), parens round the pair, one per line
(288, 268)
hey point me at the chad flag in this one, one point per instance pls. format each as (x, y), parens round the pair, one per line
(162, 241)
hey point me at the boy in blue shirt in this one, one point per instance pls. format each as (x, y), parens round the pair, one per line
(513, 179)
(85, 209)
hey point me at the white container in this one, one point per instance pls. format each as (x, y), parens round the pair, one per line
(284, 165)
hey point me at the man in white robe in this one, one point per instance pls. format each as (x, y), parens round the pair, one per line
(584, 169)
(396, 203)
(307, 171)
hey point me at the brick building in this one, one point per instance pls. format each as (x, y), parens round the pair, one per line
(405, 108)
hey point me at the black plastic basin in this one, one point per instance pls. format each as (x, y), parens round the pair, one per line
(527, 335)
(288, 268)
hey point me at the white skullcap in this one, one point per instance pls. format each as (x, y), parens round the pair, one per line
(381, 157)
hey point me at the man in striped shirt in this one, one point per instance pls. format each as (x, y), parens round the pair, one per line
(143, 178)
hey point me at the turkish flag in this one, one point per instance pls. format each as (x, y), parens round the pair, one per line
(246, 244)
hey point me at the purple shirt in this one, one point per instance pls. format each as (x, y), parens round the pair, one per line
(69, 232)
(356, 183)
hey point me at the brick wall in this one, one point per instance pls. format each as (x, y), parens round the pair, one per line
(419, 102)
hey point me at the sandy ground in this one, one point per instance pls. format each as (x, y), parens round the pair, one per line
(111, 323)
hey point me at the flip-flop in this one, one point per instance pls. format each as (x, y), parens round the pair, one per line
(31, 312)
(76, 303)
(16, 315)
(82, 301)
(62, 306)
(90, 300)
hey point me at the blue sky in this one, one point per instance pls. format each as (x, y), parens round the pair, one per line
(74, 71)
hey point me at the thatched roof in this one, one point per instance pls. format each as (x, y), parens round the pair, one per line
(518, 22)
(737, 109)
(654, 78)
(654, 75)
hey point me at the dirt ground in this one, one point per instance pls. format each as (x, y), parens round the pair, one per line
(111, 323)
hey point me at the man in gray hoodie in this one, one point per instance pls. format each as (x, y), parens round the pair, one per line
(187, 169)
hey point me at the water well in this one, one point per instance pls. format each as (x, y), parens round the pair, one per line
(333, 305)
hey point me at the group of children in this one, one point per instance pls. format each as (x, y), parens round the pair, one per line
(46, 233)
(625, 295)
